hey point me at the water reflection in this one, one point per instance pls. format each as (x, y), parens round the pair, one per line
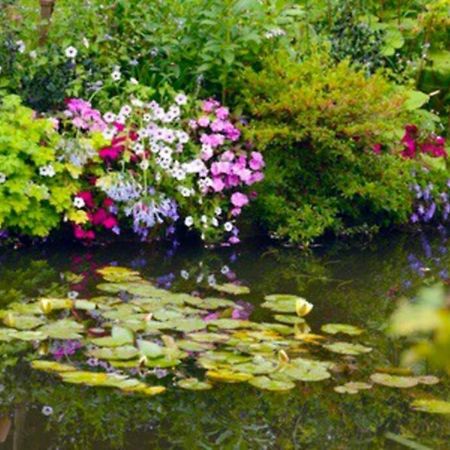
(357, 285)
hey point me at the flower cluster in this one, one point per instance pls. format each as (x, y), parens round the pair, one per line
(415, 144)
(430, 204)
(162, 164)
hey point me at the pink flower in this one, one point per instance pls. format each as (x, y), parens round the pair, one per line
(209, 105)
(239, 200)
(222, 112)
(227, 156)
(236, 212)
(377, 149)
(217, 126)
(110, 222)
(87, 197)
(234, 240)
(203, 121)
(256, 161)
(256, 177)
(218, 185)
(207, 153)
(211, 316)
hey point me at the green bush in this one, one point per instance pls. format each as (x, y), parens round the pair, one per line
(317, 124)
(36, 190)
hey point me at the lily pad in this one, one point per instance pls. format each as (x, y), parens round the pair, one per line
(22, 322)
(335, 328)
(232, 289)
(52, 366)
(116, 353)
(431, 406)
(352, 387)
(271, 385)
(63, 329)
(228, 376)
(150, 349)
(193, 384)
(118, 274)
(345, 348)
(119, 336)
(291, 320)
(394, 381)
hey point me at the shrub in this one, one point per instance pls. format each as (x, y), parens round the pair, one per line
(35, 188)
(321, 126)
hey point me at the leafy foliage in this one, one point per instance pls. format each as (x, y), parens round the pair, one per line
(318, 125)
(35, 188)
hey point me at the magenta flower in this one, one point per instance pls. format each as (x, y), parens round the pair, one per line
(222, 112)
(239, 200)
(204, 121)
(256, 161)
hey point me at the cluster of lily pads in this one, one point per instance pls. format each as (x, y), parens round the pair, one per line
(134, 333)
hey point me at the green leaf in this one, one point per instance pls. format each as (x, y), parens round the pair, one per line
(345, 348)
(335, 328)
(431, 406)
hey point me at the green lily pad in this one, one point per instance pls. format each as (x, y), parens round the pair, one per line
(193, 384)
(228, 376)
(119, 336)
(209, 337)
(116, 353)
(118, 274)
(394, 381)
(63, 329)
(345, 348)
(212, 303)
(352, 387)
(188, 325)
(29, 335)
(192, 346)
(306, 370)
(335, 328)
(271, 385)
(84, 305)
(431, 406)
(291, 320)
(232, 289)
(52, 366)
(428, 379)
(257, 366)
(162, 362)
(228, 324)
(22, 322)
(150, 349)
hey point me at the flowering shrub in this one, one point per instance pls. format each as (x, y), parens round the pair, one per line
(36, 188)
(162, 166)
(318, 125)
(415, 144)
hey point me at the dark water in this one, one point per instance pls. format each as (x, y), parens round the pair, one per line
(358, 284)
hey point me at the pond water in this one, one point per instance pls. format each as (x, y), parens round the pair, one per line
(358, 285)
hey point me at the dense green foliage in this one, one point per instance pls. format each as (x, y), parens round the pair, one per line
(318, 124)
(35, 189)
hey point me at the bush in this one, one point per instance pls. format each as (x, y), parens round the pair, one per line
(35, 188)
(321, 127)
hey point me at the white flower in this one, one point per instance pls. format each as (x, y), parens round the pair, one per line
(184, 191)
(184, 274)
(204, 219)
(20, 46)
(228, 226)
(166, 152)
(47, 171)
(218, 211)
(109, 117)
(47, 410)
(134, 81)
(78, 202)
(85, 42)
(138, 103)
(72, 295)
(33, 54)
(2, 177)
(116, 75)
(189, 221)
(181, 99)
(183, 137)
(224, 270)
(214, 222)
(125, 110)
(138, 147)
(212, 280)
(71, 52)
(109, 133)
(144, 164)
(147, 117)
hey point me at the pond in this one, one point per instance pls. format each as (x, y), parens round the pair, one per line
(349, 284)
